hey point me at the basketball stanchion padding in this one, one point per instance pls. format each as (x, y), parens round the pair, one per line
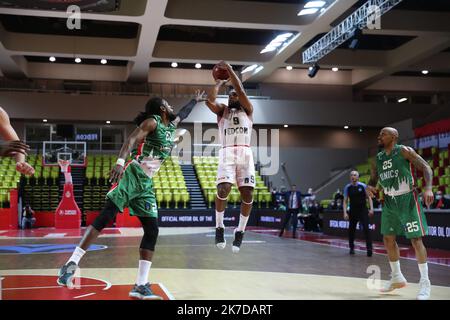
(68, 214)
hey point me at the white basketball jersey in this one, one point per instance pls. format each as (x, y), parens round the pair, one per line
(235, 128)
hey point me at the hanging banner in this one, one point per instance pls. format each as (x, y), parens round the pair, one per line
(427, 142)
(434, 128)
(444, 140)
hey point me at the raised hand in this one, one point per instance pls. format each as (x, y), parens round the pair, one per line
(24, 168)
(200, 96)
(11, 148)
(225, 65)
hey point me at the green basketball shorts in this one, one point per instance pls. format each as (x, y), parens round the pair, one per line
(135, 191)
(403, 215)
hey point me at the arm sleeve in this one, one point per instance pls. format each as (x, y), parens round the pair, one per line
(186, 110)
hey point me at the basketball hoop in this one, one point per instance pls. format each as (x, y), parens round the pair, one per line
(64, 164)
(53, 151)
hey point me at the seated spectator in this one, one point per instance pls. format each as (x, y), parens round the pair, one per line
(440, 201)
(28, 218)
(277, 199)
(332, 205)
(309, 199)
(338, 195)
(273, 191)
(313, 222)
(339, 205)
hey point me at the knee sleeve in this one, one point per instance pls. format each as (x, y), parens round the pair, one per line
(108, 213)
(151, 231)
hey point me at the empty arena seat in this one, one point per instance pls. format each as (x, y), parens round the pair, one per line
(206, 170)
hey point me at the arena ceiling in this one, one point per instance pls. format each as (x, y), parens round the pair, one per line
(138, 36)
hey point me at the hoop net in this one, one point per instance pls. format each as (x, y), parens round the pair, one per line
(64, 164)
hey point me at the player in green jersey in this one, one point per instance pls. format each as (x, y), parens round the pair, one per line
(402, 213)
(151, 143)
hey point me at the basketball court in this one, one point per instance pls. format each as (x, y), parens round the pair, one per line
(189, 267)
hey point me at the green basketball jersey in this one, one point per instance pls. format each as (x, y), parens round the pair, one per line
(155, 148)
(394, 172)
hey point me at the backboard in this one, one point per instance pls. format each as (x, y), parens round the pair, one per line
(74, 151)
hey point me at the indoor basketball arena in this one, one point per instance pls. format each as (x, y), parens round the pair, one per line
(251, 150)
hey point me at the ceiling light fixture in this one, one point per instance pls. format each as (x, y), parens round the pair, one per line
(335, 69)
(315, 4)
(259, 69)
(250, 68)
(357, 35)
(425, 72)
(279, 41)
(198, 65)
(77, 60)
(289, 68)
(313, 70)
(52, 59)
(103, 61)
(308, 11)
(402, 100)
(174, 65)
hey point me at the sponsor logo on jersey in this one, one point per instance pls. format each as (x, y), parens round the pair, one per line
(389, 175)
(237, 130)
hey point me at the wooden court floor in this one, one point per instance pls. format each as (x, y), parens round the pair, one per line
(188, 266)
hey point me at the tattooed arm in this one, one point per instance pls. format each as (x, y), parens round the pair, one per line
(420, 164)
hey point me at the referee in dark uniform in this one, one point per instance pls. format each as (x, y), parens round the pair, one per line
(355, 191)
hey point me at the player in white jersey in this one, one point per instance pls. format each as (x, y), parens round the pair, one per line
(236, 164)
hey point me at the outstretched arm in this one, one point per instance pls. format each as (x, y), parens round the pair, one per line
(237, 85)
(420, 164)
(187, 109)
(8, 134)
(139, 134)
(211, 103)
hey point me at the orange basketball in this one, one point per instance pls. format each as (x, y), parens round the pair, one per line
(220, 73)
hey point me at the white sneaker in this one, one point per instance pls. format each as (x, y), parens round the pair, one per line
(397, 281)
(424, 289)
